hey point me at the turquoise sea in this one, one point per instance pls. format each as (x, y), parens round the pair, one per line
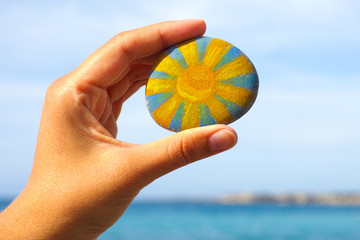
(195, 221)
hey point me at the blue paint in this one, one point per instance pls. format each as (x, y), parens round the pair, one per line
(201, 46)
(161, 75)
(177, 120)
(232, 54)
(234, 109)
(247, 81)
(205, 115)
(175, 54)
(154, 101)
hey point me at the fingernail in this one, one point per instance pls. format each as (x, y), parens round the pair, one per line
(222, 140)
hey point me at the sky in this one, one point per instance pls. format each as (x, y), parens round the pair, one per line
(302, 134)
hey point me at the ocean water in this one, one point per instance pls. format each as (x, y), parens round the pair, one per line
(195, 221)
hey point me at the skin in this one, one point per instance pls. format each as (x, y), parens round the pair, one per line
(83, 178)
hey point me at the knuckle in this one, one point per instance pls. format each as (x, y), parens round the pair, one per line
(52, 88)
(183, 149)
(54, 92)
(60, 92)
(120, 39)
(162, 39)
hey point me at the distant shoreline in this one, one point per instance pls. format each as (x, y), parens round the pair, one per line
(245, 198)
(249, 198)
(327, 199)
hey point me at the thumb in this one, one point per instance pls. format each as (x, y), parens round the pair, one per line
(163, 156)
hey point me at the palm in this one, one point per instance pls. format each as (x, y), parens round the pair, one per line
(79, 187)
(119, 68)
(105, 103)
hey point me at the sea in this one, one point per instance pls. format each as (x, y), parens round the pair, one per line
(200, 220)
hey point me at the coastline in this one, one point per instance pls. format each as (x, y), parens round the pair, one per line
(325, 199)
(251, 198)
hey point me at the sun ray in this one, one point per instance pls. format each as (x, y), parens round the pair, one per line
(239, 66)
(161, 75)
(232, 54)
(239, 96)
(247, 81)
(155, 86)
(169, 66)
(202, 44)
(234, 109)
(189, 52)
(216, 50)
(175, 54)
(155, 101)
(191, 116)
(175, 123)
(218, 111)
(164, 114)
(205, 116)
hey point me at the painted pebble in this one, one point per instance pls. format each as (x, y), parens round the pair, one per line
(199, 82)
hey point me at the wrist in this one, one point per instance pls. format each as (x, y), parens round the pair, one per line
(31, 218)
(6, 225)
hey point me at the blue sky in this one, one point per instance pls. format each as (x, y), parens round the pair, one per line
(302, 134)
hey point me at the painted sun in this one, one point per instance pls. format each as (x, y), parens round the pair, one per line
(200, 82)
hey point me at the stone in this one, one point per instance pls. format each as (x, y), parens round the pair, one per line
(199, 82)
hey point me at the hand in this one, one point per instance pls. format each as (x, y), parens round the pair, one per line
(83, 179)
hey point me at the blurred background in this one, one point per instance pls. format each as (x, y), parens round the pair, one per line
(302, 134)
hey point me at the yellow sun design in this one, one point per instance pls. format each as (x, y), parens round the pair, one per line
(201, 82)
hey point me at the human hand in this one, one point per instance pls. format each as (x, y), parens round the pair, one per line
(83, 178)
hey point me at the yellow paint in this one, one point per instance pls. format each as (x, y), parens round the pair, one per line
(218, 111)
(237, 95)
(191, 116)
(165, 113)
(189, 52)
(196, 83)
(155, 86)
(216, 50)
(237, 67)
(169, 66)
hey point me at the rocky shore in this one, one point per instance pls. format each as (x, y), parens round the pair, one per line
(293, 198)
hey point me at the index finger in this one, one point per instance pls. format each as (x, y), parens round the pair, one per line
(106, 65)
